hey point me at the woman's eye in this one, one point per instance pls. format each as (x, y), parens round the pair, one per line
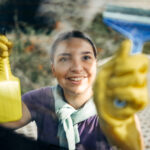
(63, 59)
(86, 57)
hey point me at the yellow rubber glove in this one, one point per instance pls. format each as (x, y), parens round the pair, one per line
(120, 90)
(10, 93)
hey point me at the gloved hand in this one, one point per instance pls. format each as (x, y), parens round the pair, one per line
(5, 46)
(120, 90)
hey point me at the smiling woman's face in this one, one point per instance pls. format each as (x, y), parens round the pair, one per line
(74, 65)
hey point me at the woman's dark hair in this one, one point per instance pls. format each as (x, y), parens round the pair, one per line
(68, 35)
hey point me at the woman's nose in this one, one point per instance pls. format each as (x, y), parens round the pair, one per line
(76, 66)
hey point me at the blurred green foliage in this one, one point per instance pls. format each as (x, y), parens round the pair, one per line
(30, 59)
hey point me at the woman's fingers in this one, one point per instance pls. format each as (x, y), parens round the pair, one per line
(124, 49)
(9, 44)
(131, 64)
(130, 79)
(3, 39)
(137, 97)
(3, 47)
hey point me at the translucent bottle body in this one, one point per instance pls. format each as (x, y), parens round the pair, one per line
(10, 93)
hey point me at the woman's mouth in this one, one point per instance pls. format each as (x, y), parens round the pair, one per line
(76, 80)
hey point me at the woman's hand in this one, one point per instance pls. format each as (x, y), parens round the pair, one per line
(5, 46)
(120, 91)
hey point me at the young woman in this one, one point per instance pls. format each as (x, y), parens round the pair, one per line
(65, 114)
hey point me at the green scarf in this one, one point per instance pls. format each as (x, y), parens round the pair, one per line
(69, 118)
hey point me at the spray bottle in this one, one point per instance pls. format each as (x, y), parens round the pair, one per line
(10, 92)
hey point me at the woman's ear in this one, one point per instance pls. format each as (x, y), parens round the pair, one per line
(53, 69)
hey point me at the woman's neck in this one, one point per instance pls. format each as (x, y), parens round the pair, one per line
(78, 100)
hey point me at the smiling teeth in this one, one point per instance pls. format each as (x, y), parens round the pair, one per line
(75, 79)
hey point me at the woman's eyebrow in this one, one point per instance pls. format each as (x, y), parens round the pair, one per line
(64, 54)
(86, 52)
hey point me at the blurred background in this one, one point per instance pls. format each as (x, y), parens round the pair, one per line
(32, 26)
